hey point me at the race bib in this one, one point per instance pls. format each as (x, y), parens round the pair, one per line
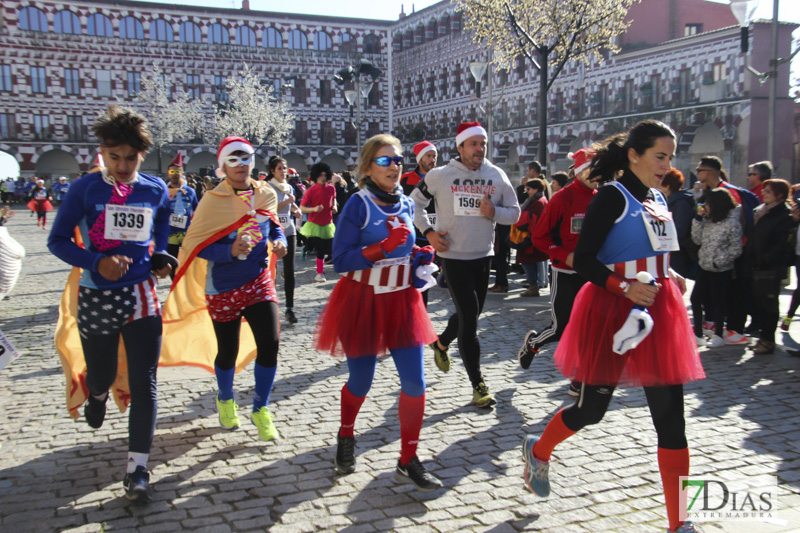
(178, 221)
(284, 220)
(575, 225)
(126, 223)
(432, 219)
(660, 227)
(7, 351)
(467, 204)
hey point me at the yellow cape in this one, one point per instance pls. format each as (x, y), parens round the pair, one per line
(188, 333)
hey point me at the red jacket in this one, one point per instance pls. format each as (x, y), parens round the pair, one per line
(560, 223)
(528, 219)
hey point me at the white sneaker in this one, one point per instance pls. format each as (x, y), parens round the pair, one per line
(731, 337)
(715, 342)
(708, 328)
(701, 341)
(319, 277)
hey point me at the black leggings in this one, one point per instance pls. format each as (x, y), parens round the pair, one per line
(710, 294)
(468, 282)
(288, 269)
(142, 340)
(666, 410)
(263, 320)
(321, 246)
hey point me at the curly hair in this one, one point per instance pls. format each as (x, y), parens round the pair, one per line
(120, 126)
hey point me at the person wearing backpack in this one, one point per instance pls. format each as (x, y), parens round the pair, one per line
(520, 239)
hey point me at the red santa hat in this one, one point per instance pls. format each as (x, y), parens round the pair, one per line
(292, 172)
(178, 161)
(467, 130)
(227, 147)
(423, 148)
(582, 158)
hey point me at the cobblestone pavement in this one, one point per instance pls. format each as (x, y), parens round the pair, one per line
(56, 474)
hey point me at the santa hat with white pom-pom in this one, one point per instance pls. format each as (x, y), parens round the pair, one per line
(228, 146)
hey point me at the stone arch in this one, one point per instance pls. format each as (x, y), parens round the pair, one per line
(531, 150)
(298, 160)
(565, 146)
(9, 162)
(11, 151)
(199, 159)
(336, 161)
(150, 163)
(706, 139)
(54, 161)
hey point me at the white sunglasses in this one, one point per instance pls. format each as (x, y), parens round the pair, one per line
(235, 161)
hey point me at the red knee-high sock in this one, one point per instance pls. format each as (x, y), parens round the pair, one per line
(411, 412)
(555, 433)
(350, 407)
(320, 265)
(673, 464)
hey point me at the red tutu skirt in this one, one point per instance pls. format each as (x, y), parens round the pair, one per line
(358, 322)
(40, 206)
(667, 356)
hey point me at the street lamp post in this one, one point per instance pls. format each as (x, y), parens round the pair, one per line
(478, 69)
(363, 78)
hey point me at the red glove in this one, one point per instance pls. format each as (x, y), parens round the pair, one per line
(397, 236)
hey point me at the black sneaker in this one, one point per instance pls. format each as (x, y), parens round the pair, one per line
(527, 352)
(137, 485)
(415, 474)
(290, 318)
(345, 460)
(95, 411)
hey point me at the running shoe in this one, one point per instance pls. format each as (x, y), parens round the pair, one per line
(415, 474)
(481, 396)
(290, 317)
(716, 342)
(345, 460)
(708, 328)
(319, 277)
(537, 472)
(263, 421)
(137, 485)
(731, 337)
(764, 348)
(228, 417)
(574, 389)
(440, 357)
(701, 341)
(528, 351)
(686, 527)
(95, 411)
(785, 323)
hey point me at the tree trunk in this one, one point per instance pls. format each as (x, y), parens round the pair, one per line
(542, 155)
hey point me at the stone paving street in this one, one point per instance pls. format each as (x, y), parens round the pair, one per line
(59, 475)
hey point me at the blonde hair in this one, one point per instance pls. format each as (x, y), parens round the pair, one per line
(369, 150)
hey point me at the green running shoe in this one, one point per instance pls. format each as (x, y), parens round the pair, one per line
(227, 413)
(440, 357)
(263, 421)
(481, 396)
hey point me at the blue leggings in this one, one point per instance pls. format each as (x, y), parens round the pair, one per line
(409, 366)
(142, 340)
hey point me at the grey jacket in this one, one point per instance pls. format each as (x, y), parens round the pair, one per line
(720, 242)
(469, 237)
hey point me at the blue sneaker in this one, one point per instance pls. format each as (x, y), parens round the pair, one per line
(537, 472)
(686, 527)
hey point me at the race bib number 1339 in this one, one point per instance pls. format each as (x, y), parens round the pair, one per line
(126, 223)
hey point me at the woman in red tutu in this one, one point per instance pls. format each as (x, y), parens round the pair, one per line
(375, 308)
(40, 203)
(627, 230)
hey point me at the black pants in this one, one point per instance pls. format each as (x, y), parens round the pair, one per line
(710, 295)
(795, 303)
(468, 282)
(288, 269)
(264, 322)
(563, 290)
(142, 340)
(666, 410)
(322, 247)
(766, 289)
(502, 252)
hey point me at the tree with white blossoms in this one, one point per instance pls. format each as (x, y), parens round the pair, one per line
(173, 114)
(252, 111)
(550, 33)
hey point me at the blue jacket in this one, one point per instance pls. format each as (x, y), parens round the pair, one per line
(82, 207)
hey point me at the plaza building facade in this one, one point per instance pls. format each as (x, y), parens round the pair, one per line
(680, 62)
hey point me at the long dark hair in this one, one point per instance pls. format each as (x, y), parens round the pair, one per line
(720, 202)
(612, 153)
(274, 161)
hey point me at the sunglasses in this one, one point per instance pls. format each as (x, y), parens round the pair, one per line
(385, 161)
(235, 161)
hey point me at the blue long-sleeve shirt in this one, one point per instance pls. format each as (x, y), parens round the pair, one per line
(226, 272)
(87, 199)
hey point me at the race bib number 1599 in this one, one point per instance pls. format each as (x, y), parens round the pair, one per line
(467, 204)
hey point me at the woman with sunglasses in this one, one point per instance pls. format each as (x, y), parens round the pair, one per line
(287, 212)
(375, 308)
(225, 257)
